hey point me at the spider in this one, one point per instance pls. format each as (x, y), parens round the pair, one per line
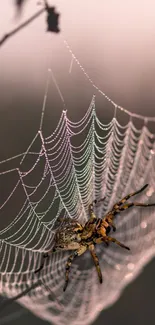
(80, 238)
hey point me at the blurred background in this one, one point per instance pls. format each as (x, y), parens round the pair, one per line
(115, 43)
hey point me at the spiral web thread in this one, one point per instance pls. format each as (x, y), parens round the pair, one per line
(60, 175)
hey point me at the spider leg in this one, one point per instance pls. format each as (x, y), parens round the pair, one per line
(42, 264)
(91, 212)
(96, 261)
(111, 224)
(120, 206)
(114, 240)
(78, 252)
(91, 206)
(129, 205)
(127, 197)
(110, 239)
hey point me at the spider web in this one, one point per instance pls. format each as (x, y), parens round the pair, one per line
(59, 175)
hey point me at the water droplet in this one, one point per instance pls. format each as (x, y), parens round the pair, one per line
(128, 275)
(117, 267)
(150, 191)
(143, 224)
(130, 266)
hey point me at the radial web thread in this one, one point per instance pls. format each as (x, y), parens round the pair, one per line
(60, 175)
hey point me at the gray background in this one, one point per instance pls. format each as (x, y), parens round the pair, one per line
(115, 42)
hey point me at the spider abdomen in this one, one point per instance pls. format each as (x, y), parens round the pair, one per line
(68, 238)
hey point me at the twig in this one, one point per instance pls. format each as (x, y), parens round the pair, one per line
(17, 29)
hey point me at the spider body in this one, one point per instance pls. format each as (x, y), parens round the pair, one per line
(77, 237)
(68, 237)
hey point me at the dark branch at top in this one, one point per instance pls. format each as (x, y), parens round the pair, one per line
(52, 22)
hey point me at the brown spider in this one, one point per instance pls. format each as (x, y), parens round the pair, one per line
(74, 236)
